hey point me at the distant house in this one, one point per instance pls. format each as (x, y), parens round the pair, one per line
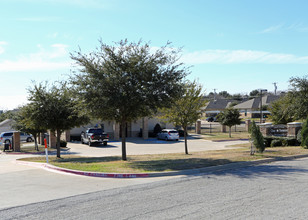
(251, 108)
(6, 125)
(214, 107)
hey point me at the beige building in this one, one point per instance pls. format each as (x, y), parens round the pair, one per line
(142, 126)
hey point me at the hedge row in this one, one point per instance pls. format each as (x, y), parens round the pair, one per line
(280, 141)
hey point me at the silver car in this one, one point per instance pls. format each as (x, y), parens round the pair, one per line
(168, 134)
(6, 137)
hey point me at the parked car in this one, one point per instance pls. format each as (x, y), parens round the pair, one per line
(211, 119)
(94, 135)
(6, 137)
(168, 134)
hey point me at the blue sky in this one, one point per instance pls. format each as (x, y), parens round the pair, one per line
(237, 46)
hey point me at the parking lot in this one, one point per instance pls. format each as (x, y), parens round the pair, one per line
(137, 146)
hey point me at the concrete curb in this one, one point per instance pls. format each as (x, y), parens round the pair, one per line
(224, 167)
(34, 153)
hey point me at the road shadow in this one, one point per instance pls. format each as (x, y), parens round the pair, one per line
(176, 164)
(266, 170)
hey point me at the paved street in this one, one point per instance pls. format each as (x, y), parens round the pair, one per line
(21, 185)
(272, 191)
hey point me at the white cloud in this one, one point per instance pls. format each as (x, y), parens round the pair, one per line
(2, 44)
(241, 56)
(56, 57)
(272, 29)
(298, 27)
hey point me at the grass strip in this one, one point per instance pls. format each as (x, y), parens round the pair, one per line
(165, 162)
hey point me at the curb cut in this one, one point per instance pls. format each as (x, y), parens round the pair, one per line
(224, 167)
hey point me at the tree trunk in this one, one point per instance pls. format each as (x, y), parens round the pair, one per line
(185, 138)
(58, 143)
(123, 134)
(229, 131)
(35, 142)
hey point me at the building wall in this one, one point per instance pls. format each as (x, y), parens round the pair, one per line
(133, 129)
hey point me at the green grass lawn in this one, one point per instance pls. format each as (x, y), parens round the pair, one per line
(166, 162)
(225, 136)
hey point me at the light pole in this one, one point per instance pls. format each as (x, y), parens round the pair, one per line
(261, 114)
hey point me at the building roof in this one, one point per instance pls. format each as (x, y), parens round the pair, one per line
(6, 122)
(255, 102)
(218, 104)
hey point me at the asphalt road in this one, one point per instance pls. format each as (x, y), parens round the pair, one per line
(277, 190)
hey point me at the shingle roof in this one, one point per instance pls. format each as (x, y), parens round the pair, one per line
(255, 103)
(219, 104)
(5, 122)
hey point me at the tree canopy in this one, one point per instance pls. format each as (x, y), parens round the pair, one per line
(299, 96)
(281, 110)
(25, 122)
(55, 109)
(229, 117)
(127, 81)
(187, 109)
(294, 105)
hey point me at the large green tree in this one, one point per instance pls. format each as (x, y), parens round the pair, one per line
(55, 109)
(25, 122)
(282, 111)
(229, 117)
(127, 81)
(187, 109)
(299, 96)
(7, 115)
(294, 105)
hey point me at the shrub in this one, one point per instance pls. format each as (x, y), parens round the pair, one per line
(292, 142)
(306, 143)
(284, 142)
(63, 143)
(276, 143)
(304, 134)
(257, 138)
(268, 141)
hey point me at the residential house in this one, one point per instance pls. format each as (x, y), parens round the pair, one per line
(251, 108)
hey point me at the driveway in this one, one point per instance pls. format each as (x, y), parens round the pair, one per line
(137, 146)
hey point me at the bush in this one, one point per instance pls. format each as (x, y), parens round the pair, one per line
(63, 143)
(305, 143)
(257, 137)
(268, 141)
(304, 134)
(292, 142)
(285, 141)
(276, 143)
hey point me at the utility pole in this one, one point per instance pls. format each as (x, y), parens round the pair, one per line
(214, 95)
(261, 114)
(275, 85)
